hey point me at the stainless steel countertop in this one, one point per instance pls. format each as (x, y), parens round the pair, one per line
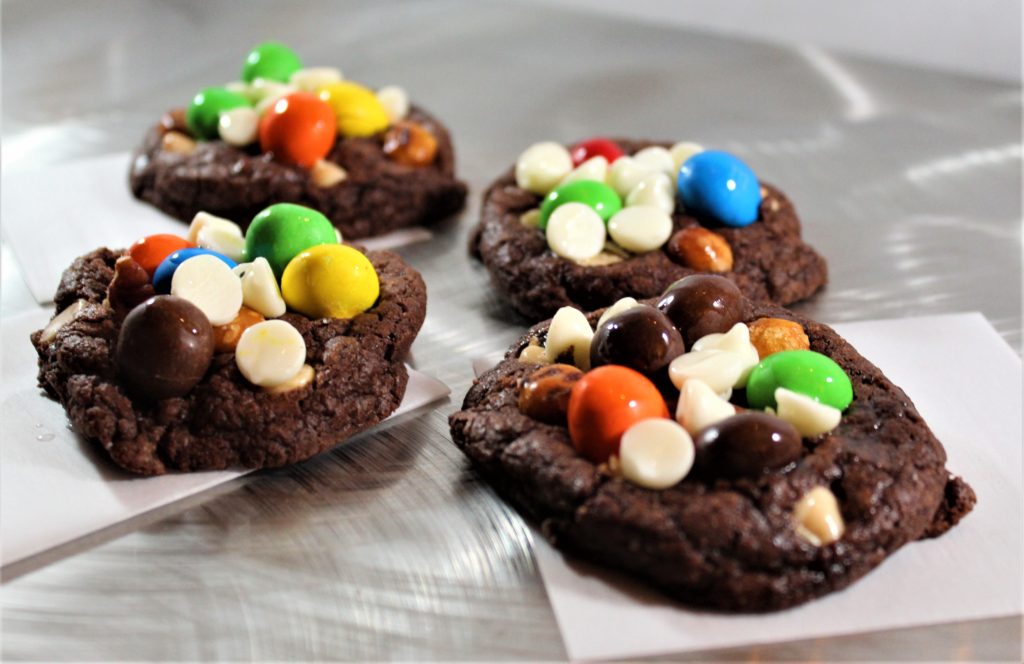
(389, 547)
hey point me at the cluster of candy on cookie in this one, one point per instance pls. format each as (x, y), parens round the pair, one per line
(613, 387)
(600, 205)
(184, 299)
(296, 113)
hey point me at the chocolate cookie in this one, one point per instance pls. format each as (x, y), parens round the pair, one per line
(225, 420)
(379, 194)
(769, 261)
(733, 541)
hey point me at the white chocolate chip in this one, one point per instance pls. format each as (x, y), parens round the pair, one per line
(657, 159)
(626, 173)
(736, 340)
(266, 100)
(569, 330)
(595, 168)
(327, 174)
(60, 320)
(604, 258)
(304, 377)
(263, 89)
(682, 151)
(395, 101)
(270, 353)
(240, 88)
(811, 418)
(575, 231)
(206, 220)
(655, 453)
(337, 234)
(311, 78)
(223, 241)
(655, 190)
(530, 218)
(177, 143)
(717, 368)
(533, 355)
(542, 166)
(238, 126)
(207, 282)
(640, 228)
(818, 518)
(700, 407)
(260, 291)
(624, 304)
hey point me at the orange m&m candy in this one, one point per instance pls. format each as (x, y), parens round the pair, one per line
(299, 129)
(151, 250)
(604, 403)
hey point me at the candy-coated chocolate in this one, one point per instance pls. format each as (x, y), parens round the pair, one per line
(225, 337)
(209, 283)
(803, 371)
(270, 353)
(544, 394)
(298, 128)
(640, 338)
(718, 185)
(330, 281)
(594, 147)
(606, 402)
(410, 143)
(164, 348)
(357, 110)
(701, 304)
(130, 286)
(270, 60)
(151, 250)
(203, 114)
(596, 195)
(164, 273)
(282, 230)
(746, 445)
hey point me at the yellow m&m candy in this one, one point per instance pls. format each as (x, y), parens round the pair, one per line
(357, 109)
(330, 281)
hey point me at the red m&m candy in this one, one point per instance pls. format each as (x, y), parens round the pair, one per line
(151, 250)
(299, 129)
(595, 147)
(604, 403)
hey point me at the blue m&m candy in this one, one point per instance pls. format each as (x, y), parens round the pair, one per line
(718, 185)
(165, 271)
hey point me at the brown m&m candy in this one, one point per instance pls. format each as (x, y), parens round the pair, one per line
(164, 348)
(702, 304)
(544, 394)
(746, 445)
(641, 338)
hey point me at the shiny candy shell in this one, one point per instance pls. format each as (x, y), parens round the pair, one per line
(165, 272)
(747, 445)
(270, 353)
(700, 304)
(640, 228)
(203, 114)
(576, 231)
(281, 231)
(542, 166)
(599, 196)
(656, 453)
(298, 129)
(357, 110)
(151, 250)
(802, 371)
(718, 185)
(270, 60)
(604, 404)
(330, 281)
(594, 147)
(207, 282)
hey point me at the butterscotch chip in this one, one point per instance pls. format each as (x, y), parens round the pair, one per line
(410, 143)
(178, 143)
(774, 335)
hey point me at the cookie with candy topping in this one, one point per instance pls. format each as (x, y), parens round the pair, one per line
(682, 478)
(370, 161)
(602, 220)
(215, 367)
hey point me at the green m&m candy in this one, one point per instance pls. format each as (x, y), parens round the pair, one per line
(272, 61)
(595, 194)
(203, 113)
(282, 231)
(804, 371)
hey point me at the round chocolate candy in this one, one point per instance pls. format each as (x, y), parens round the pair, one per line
(164, 274)
(718, 185)
(298, 129)
(702, 304)
(802, 371)
(271, 61)
(164, 348)
(330, 281)
(746, 445)
(283, 230)
(357, 110)
(203, 114)
(594, 147)
(544, 394)
(640, 338)
(597, 195)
